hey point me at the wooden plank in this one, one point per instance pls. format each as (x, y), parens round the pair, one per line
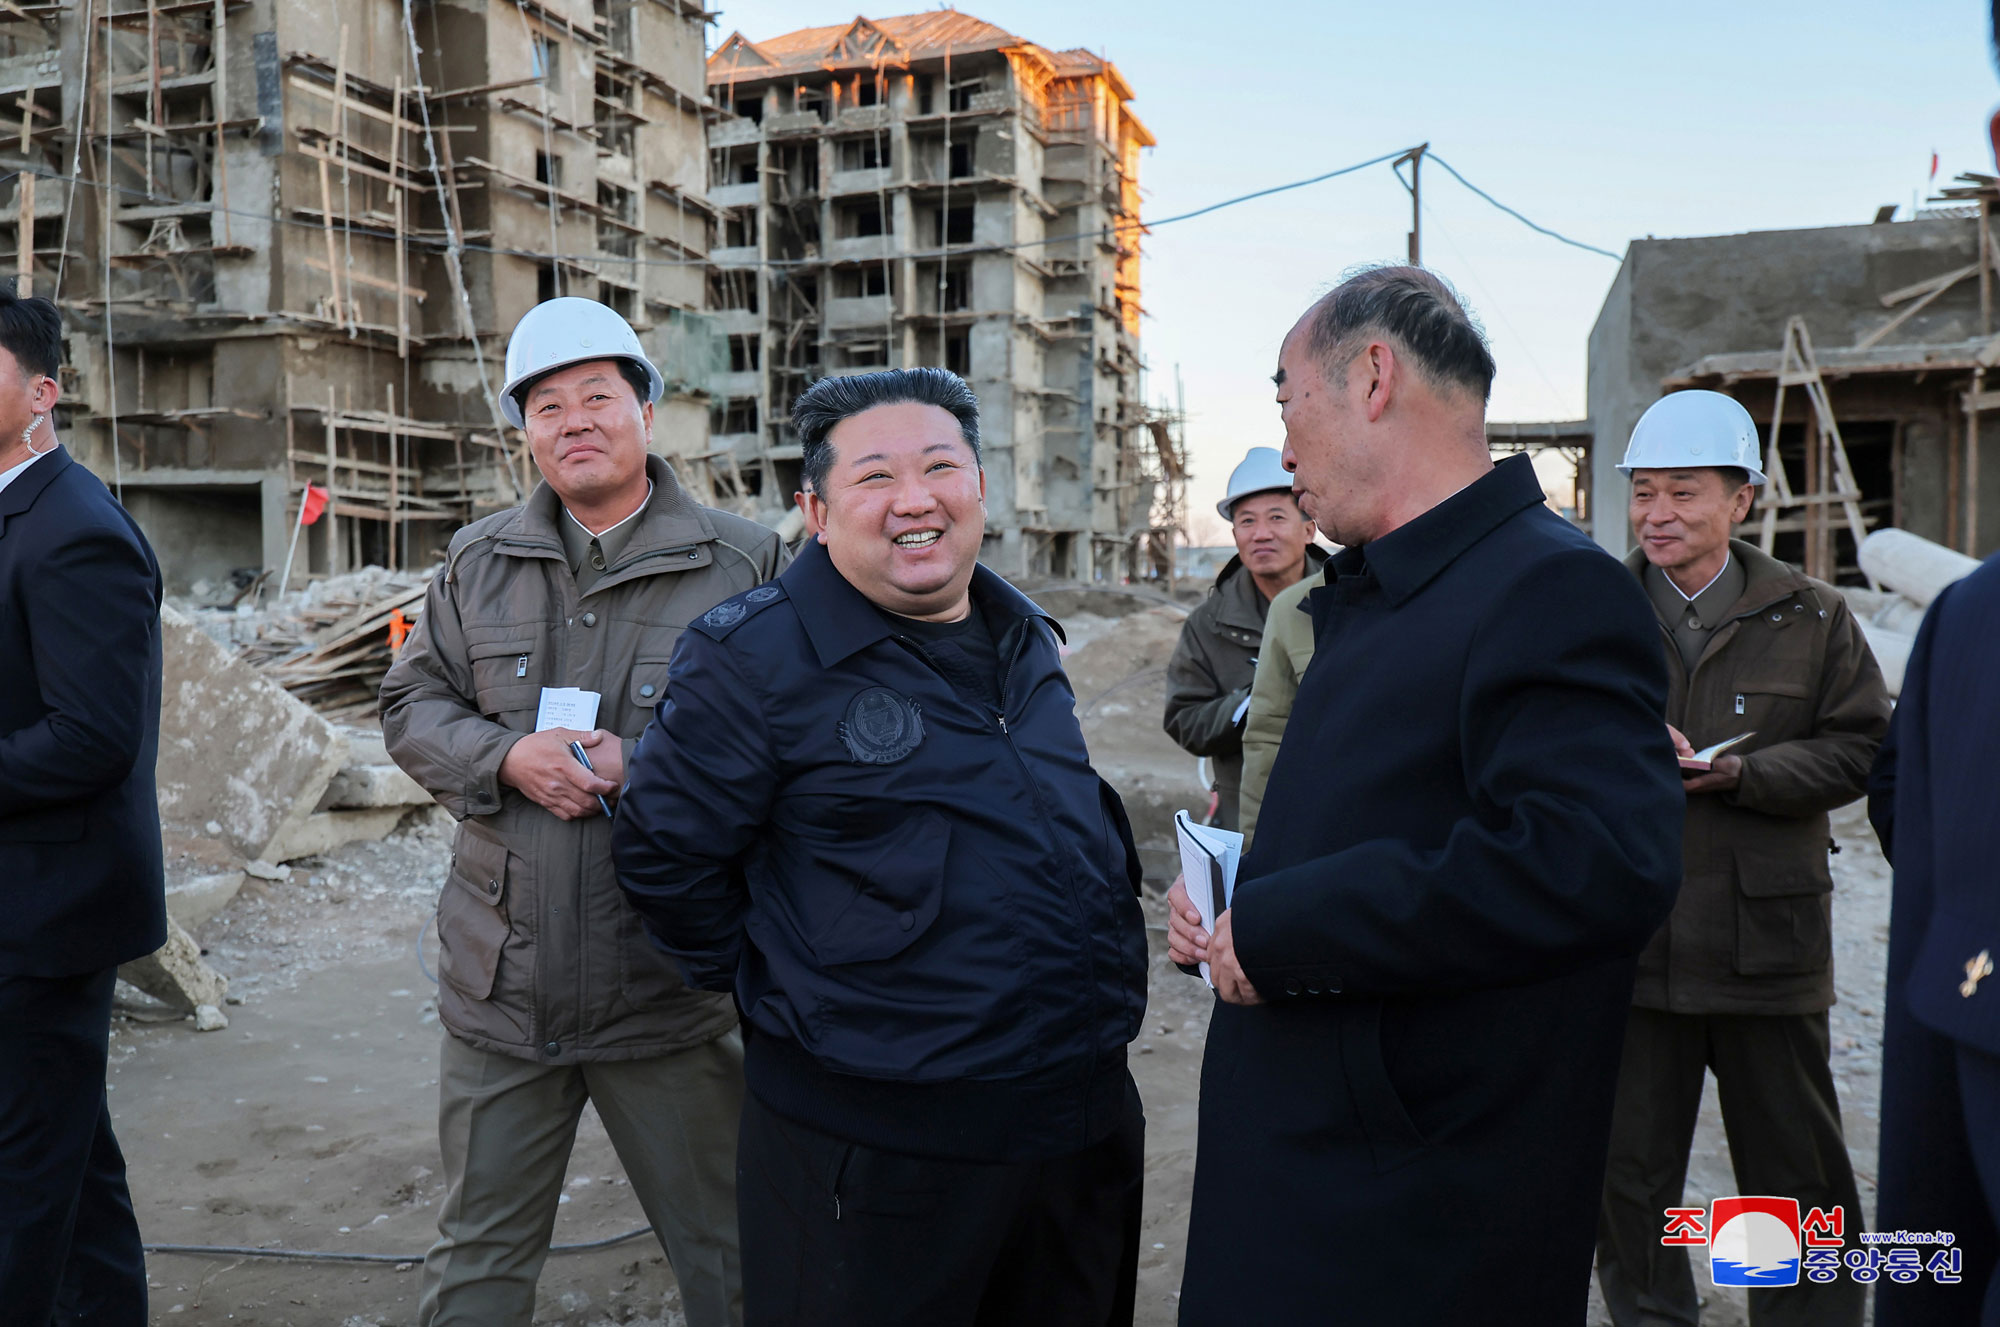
(1928, 285)
(375, 282)
(402, 236)
(24, 239)
(354, 107)
(219, 48)
(346, 302)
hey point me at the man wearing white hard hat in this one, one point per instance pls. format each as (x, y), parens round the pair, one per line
(1208, 679)
(1776, 707)
(551, 625)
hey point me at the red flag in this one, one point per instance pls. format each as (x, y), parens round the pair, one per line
(314, 504)
(1933, 166)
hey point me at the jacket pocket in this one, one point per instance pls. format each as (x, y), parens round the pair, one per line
(506, 674)
(1392, 1136)
(1784, 914)
(1777, 709)
(894, 901)
(472, 914)
(648, 684)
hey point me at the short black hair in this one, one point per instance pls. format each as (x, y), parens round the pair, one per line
(31, 331)
(628, 369)
(1417, 309)
(1733, 476)
(830, 400)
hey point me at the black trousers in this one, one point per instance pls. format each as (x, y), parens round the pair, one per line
(69, 1244)
(836, 1234)
(1783, 1122)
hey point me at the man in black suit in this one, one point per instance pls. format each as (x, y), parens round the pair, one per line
(80, 879)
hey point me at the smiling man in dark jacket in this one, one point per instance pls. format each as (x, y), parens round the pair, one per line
(865, 805)
(1472, 826)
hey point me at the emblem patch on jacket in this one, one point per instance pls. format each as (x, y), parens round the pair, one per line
(763, 594)
(725, 615)
(882, 726)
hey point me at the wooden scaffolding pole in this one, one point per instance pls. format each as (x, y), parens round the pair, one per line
(219, 96)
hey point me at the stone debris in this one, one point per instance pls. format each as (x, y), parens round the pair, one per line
(237, 752)
(176, 976)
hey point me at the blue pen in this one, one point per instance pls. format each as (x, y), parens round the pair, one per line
(576, 749)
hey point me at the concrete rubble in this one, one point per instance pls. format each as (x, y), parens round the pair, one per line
(249, 778)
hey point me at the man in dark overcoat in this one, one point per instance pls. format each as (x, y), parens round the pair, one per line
(80, 874)
(1932, 797)
(1471, 829)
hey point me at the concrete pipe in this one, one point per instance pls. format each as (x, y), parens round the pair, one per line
(1912, 565)
(1892, 654)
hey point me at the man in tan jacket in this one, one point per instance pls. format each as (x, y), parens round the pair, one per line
(1740, 978)
(549, 990)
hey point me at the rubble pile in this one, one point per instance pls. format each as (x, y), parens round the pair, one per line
(330, 644)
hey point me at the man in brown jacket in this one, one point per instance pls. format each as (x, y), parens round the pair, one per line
(1208, 678)
(549, 990)
(1740, 978)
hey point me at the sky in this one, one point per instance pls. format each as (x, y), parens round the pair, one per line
(1605, 122)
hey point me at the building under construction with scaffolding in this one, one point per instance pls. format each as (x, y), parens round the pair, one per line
(299, 231)
(932, 189)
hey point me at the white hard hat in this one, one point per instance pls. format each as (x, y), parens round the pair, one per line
(570, 330)
(1261, 470)
(1694, 428)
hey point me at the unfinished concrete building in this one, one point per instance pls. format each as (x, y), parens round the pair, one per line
(932, 189)
(301, 231)
(1901, 320)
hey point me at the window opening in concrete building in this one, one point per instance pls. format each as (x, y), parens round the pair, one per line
(733, 288)
(545, 61)
(617, 228)
(548, 169)
(813, 100)
(618, 297)
(546, 287)
(956, 294)
(861, 281)
(924, 94)
(964, 91)
(859, 220)
(739, 228)
(861, 355)
(744, 352)
(870, 153)
(952, 225)
(867, 91)
(736, 414)
(958, 353)
(750, 108)
(961, 155)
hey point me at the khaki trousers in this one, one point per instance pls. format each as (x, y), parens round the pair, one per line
(505, 1128)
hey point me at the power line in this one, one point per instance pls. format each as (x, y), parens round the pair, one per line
(1554, 235)
(458, 243)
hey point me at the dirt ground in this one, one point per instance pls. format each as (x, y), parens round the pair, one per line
(309, 1123)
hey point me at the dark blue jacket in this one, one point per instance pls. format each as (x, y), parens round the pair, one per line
(1472, 828)
(80, 876)
(927, 910)
(1934, 797)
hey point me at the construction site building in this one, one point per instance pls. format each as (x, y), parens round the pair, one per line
(931, 189)
(301, 230)
(1900, 324)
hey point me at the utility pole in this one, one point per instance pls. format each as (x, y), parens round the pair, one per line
(1415, 156)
